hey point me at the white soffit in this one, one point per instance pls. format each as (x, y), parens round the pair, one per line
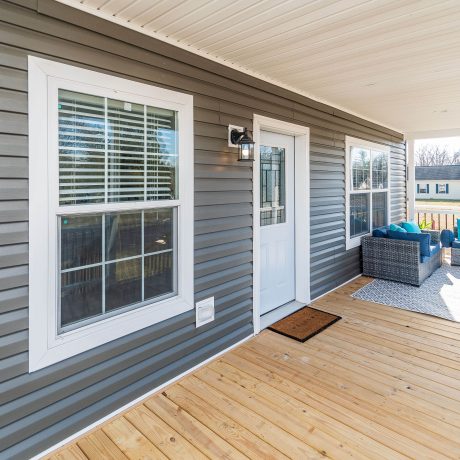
(396, 62)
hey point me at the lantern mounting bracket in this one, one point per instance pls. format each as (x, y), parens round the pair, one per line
(232, 128)
(236, 135)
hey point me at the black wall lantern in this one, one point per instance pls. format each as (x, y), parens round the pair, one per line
(245, 144)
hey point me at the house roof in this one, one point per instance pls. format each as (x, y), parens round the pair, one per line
(449, 172)
(395, 63)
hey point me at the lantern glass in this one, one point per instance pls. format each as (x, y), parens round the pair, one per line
(246, 151)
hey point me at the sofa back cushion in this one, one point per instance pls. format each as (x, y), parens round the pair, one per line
(423, 238)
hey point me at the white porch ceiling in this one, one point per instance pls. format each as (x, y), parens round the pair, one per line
(396, 62)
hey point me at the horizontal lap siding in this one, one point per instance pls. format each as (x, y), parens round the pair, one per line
(331, 264)
(39, 409)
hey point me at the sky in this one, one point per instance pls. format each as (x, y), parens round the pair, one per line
(451, 143)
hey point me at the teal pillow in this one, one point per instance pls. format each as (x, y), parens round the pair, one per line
(397, 228)
(458, 229)
(411, 227)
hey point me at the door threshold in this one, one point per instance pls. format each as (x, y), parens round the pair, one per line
(279, 313)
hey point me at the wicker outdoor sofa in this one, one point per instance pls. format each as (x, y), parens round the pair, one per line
(399, 260)
(455, 245)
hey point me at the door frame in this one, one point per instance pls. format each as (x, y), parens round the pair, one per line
(302, 218)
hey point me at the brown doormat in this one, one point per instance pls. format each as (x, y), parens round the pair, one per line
(304, 324)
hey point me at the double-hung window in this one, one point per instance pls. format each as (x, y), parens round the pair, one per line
(367, 188)
(111, 199)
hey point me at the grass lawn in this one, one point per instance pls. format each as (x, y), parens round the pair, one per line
(437, 203)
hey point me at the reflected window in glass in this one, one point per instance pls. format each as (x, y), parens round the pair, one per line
(359, 214)
(379, 170)
(379, 209)
(133, 263)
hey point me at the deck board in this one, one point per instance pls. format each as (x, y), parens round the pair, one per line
(380, 383)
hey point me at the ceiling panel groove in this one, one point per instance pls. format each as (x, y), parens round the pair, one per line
(396, 62)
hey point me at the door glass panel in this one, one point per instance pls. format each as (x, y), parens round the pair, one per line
(272, 185)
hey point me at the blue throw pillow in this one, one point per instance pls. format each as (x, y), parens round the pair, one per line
(397, 228)
(458, 229)
(381, 232)
(411, 227)
(423, 238)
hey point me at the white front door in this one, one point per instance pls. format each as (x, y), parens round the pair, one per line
(277, 221)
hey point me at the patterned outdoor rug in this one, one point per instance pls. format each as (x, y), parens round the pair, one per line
(439, 295)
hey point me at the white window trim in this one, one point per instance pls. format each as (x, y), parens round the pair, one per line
(355, 242)
(45, 345)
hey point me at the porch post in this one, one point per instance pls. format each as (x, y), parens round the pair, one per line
(410, 179)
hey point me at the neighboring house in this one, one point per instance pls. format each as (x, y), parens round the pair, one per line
(123, 205)
(437, 182)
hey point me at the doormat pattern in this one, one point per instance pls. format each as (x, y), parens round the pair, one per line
(304, 324)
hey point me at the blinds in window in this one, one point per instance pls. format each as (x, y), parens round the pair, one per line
(115, 151)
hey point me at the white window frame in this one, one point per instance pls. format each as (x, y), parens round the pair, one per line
(354, 242)
(45, 78)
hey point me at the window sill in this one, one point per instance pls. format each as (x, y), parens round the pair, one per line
(55, 348)
(352, 243)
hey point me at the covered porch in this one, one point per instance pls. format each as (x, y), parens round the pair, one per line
(379, 383)
(132, 260)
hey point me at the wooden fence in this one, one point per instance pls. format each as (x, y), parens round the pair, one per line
(440, 219)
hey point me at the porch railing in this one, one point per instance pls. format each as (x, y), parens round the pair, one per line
(440, 218)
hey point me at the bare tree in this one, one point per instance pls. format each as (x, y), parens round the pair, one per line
(434, 155)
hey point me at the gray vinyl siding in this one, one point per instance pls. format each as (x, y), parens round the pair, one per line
(40, 409)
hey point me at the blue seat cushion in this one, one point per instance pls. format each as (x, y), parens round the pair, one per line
(456, 244)
(423, 238)
(434, 249)
(380, 232)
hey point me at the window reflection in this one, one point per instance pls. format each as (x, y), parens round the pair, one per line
(135, 263)
(360, 168)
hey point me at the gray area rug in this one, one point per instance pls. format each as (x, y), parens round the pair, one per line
(439, 295)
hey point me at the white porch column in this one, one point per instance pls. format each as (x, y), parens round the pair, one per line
(410, 179)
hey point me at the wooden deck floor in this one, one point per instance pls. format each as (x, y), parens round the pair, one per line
(381, 383)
